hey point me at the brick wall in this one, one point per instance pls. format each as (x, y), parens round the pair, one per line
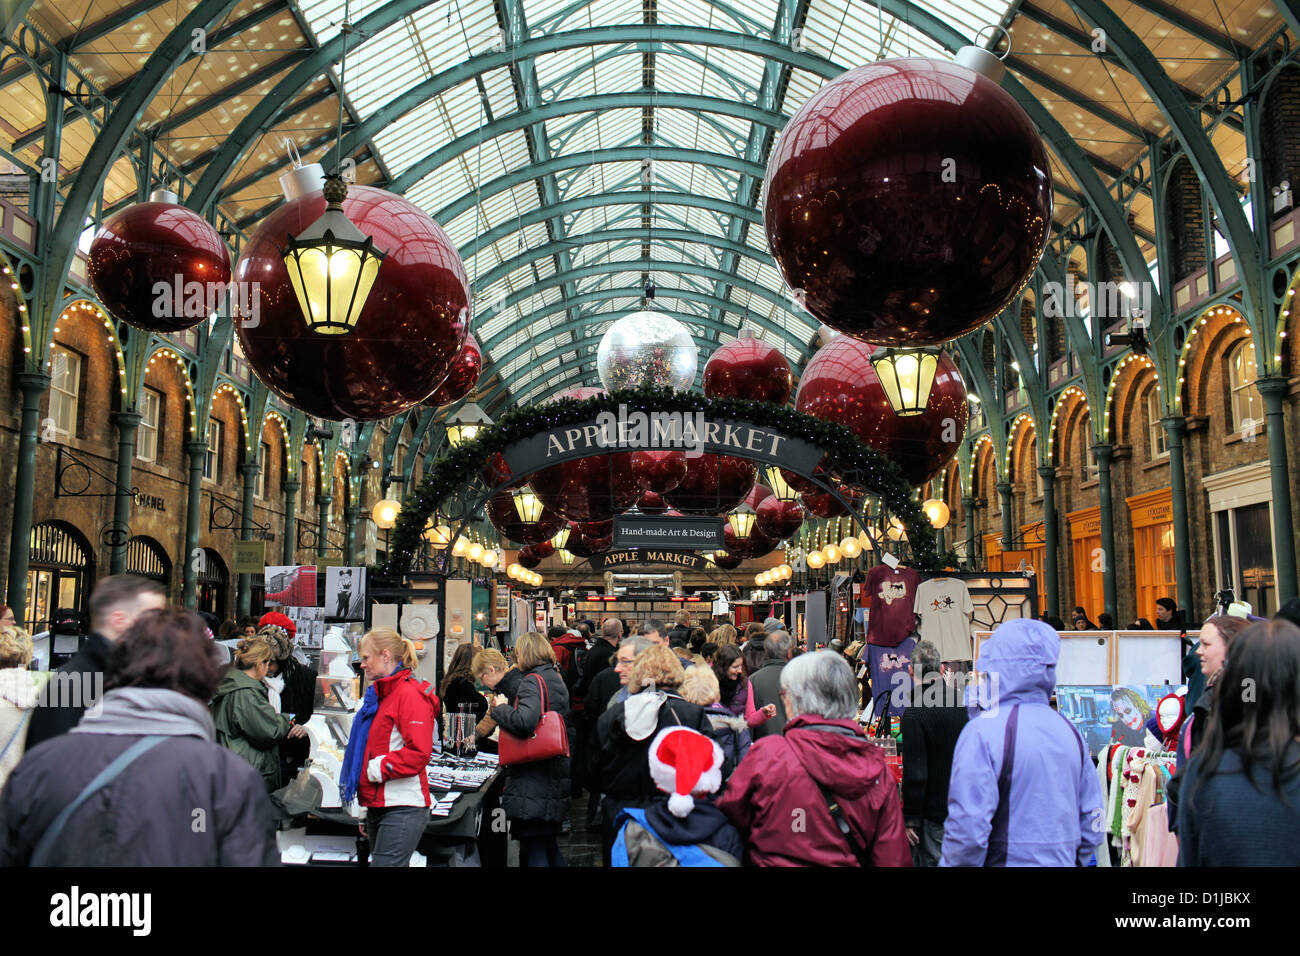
(1280, 131)
(1185, 220)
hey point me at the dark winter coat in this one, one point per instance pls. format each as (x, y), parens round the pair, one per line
(600, 657)
(731, 733)
(679, 634)
(47, 722)
(248, 725)
(461, 691)
(298, 700)
(536, 795)
(186, 802)
(1231, 819)
(706, 827)
(622, 765)
(766, 682)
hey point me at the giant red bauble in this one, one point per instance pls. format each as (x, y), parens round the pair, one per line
(728, 562)
(504, 516)
(462, 377)
(577, 543)
(748, 368)
(754, 546)
(713, 484)
(158, 242)
(910, 200)
(839, 385)
(530, 556)
(757, 494)
(589, 489)
(659, 471)
(597, 529)
(413, 323)
(778, 519)
(822, 504)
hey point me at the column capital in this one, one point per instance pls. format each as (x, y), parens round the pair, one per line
(1174, 424)
(1275, 387)
(197, 447)
(32, 381)
(126, 419)
(291, 485)
(1047, 472)
(250, 469)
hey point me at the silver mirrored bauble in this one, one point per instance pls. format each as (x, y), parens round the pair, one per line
(647, 348)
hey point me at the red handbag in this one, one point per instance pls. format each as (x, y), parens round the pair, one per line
(550, 737)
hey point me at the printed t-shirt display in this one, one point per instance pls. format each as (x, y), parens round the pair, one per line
(945, 609)
(892, 592)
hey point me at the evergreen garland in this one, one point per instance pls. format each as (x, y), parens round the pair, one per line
(842, 452)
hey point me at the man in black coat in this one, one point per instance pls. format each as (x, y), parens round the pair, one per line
(114, 605)
(766, 682)
(931, 725)
(601, 654)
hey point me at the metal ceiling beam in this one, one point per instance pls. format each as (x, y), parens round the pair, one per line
(771, 94)
(249, 131)
(1290, 10)
(639, 234)
(1084, 41)
(60, 242)
(1200, 151)
(1074, 97)
(629, 265)
(595, 103)
(588, 158)
(1194, 27)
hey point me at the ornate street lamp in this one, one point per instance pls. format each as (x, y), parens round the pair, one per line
(565, 556)
(332, 266)
(906, 375)
(464, 425)
(561, 538)
(742, 521)
(385, 513)
(438, 535)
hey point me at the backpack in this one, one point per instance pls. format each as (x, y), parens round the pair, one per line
(576, 668)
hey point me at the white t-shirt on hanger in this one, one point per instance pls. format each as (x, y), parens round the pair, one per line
(945, 609)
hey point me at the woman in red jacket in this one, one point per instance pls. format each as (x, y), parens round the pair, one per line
(389, 747)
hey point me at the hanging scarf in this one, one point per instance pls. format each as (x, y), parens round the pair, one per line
(354, 758)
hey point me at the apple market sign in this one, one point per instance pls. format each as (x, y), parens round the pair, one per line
(645, 431)
(686, 560)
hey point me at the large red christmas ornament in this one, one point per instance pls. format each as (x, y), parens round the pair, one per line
(530, 556)
(910, 200)
(728, 562)
(748, 368)
(755, 545)
(159, 266)
(778, 519)
(713, 484)
(413, 323)
(659, 471)
(504, 516)
(756, 495)
(589, 489)
(577, 544)
(597, 529)
(462, 377)
(651, 504)
(800, 483)
(822, 505)
(496, 472)
(839, 385)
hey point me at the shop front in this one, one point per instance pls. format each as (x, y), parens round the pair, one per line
(60, 573)
(1153, 549)
(1085, 539)
(214, 583)
(1242, 527)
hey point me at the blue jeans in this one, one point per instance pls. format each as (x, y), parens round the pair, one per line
(540, 851)
(394, 833)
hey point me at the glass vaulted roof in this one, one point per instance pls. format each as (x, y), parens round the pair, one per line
(571, 173)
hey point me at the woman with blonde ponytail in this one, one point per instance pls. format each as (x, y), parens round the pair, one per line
(245, 721)
(388, 748)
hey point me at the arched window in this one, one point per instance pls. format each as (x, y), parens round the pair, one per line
(1156, 438)
(1247, 403)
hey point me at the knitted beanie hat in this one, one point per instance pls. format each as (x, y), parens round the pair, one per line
(684, 764)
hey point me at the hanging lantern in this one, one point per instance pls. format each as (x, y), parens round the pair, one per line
(742, 521)
(565, 556)
(385, 513)
(937, 511)
(897, 531)
(906, 376)
(725, 561)
(867, 543)
(527, 505)
(850, 548)
(815, 560)
(512, 571)
(561, 537)
(438, 536)
(474, 552)
(489, 558)
(505, 509)
(781, 488)
(831, 554)
(332, 266)
(787, 572)
(464, 425)
(460, 548)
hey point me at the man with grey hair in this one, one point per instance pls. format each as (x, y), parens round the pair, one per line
(932, 722)
(655, 632)
(766, 682)
(823, 772)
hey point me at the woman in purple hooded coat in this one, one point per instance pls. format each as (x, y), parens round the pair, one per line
(1024, 791)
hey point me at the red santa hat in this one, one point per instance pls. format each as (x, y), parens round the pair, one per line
(278, 620)
(685, 764)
